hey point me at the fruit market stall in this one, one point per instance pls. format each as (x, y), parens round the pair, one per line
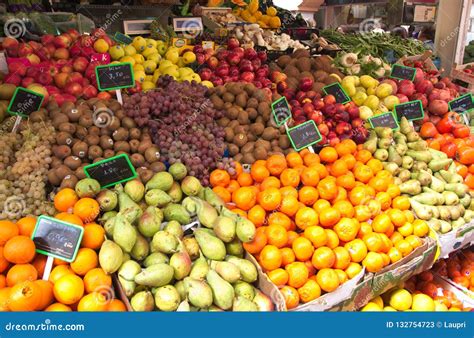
(157, 172)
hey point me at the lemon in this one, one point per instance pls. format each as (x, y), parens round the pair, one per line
(422, 302)
(383, 90)
(154, 57)
(440, 307)
(149, 51)
(189, 57)
(130, 50)
(164, 64)
(139, 43)
(371, 307)
(378, 300)
(101, 46)
(151, 43)
(139, 76)
(185, 71)
(128, 59)
(389, 309)
(150, 66)
(196, 77)
(454, 309)
(147, 85)
(148, 78)
(138, 58)
(401, 300)
(138, 67)
(116, 52)
(208, 84)
(172, 55)
(171, 71)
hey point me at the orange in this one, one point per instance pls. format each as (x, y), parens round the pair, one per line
(373, 262)
(289, 205)
(395, 255)
(393, 190)
(322, 170)
(347, 229)
(297, 274)
(259, 173)
(339, 168)
(276, 164)
(94, 301)
(395, 237)
(365, 228)
(327, 280)
(329, 216)
(70, 218)
(86, 260)
(386, 259)
(350, 144)
(358, 196)
(270, 257)
(294, 160)
(420, 228)
(244, 198)
(245, 179)
(276, 235)
(257, 244)
(333, 239)
(341, 274)
(40, 263)
(93, 236)
(302, 248)
(310, 159)
(291, 296)
(65, 199)
(353, 270)
(116, 305)
(404, 247)
(350, 160)
(25, 296)
(376, 165)
(379, 183)
(309, 291)
(239, 212)
(58, 307)
(233, 186)
(219, 178)
(363, 156)
(290, 178)
(68, 289)
(397, 217)
(19, 250)
(7, 231)
(373, 241)
(342, 258)
(327, 188)
(387, 243)
(321, 205)
(323, 257)
(345, 208)
(287, 256)
(4, 299)
(257, 215)
(87, 209)
(3, 262)
(357, 250)
(308, 195)
(279, 218)
(375, 207)
(238, 170)
(343, 149)
(406, 229)
(362, 213)
(384, 199)
(3, 281)
(289, 191)
(59, 271)
(363, 173)
(97, 280)
(306, 217)
(20, 273)
(409, 215)
(316, 235)
(291, 237)
(381, 223)
(414, 241)
(401, 202)
(328, 155)
(279, 277)
(223, 193)
(46, 294)
(341, 195)
(269, 199)
(26, 226)
(270, 182)
(346, 181)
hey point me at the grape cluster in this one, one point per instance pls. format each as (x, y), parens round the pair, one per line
(24, 167)
(182, 124)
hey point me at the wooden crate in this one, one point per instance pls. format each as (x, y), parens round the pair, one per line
(425, 58)
(457, 73)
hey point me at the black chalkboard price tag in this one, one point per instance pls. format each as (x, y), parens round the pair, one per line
(462, 104)
(55, 238)
(412, 110)
(281, 111)
(122, 38)
(304, 135)
(115, 76)
(387, 120)
(403, 72)
(24, 102)
(111, 171)
(338, 92)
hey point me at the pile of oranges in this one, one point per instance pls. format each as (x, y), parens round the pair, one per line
(321, 218)
(459, 268)
(81, 285)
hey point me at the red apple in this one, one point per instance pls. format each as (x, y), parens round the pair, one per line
(58, 98)
(222, 71)
(306, 84)
(80, 64)
(66, 69)
(74, 89)
(61, 53)
(60, 79)
(247, 76)
(24, 50)
(213, 62)
(73, 33)
(323, 129)
(13, 79)
(262, 56)
(86, 41)
(27, 81)
(17, 68)
(45, 78)
(239, 51)
(85, 82)
(75, 77)
(329, 99)
(205, 74)
(406, 88)
(62, 41)
(9, 42)
(89, 92)
(232, 43)
(402, 98)
(233, 59)
(69, 97)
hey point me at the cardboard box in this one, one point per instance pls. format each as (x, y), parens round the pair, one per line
(425, 57)
(463, 294)
(457, 73)
(456, 239)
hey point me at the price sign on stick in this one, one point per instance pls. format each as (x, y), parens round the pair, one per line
(281, 111)
(304, 135)
(56, 239)
(402, 72)
(338, 92)
(412, 110)
(384, 120)
(24, 102)
(111, 171)
(462, 105)
(115, 76)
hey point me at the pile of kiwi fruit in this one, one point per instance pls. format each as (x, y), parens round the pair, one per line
(250, 130)
(91, 131)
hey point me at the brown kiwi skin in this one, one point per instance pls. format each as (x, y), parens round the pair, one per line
(67, 127)
(128, 123)
(152, 154)
(122, 146)
(53, 178)
(86, 121)
(79, 172)
(134, 134)
(120, 134)
(73, 162)
(63, 138)
(74, 114)
(95, 151)
(145, 144)
(137, 160)
(106, 142)
(81, 132)
(94, 130)
(109, 153)
(62, 171)
(157, 166)
(92, 140)
(61, 151)
(69, 182)
(59, 119)
(80, 149)
(134, 144)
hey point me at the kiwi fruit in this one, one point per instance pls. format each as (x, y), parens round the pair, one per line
(134, 133)
(95, 151)
(229, 134)
(260, 95)
(248, 158)
(80, 149)
(247, 148)
(106, 142)
(238, 157)
(239, 130)
(228, 105)
(98, 159)
(134, 144)
(232, 113)
(217, 102)
(121, 134)
(283, 142)
(157, 167)
(128, 122)
(145, 174)
(63, 138)
(241, 99)
(37, 116)
(114, 124)
(94, 130)
(233, 149)
(59, 119)
(235, 88)
(55, 162)
(86, 121)
(228, 97)
(252, 103)
(81, 132)
(233, 124)
(73, 162)
(249, 88)
(252, 113)
(92, 140)
(122, 146)
(79, 172)
(62, 171)
(304, 64)
(260, 153)
(283, 60)
(114, 105)
(152, 154)
(220, 90)
(144, 145)
(61, 151)
(109, 153)
(243, 117)
(240, 139)
(53, 178)
(223, 122)
(270, 133)
(74, 114)
(137, 160)
(251, 137)
(67, 106)
(257, 128)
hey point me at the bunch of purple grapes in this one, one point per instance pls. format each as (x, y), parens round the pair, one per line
(181, 121)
